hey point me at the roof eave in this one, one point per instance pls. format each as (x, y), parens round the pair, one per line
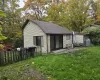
(60, 33)
(25, 24)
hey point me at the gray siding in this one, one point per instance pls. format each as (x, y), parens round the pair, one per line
(66, 41)
(31, 30)
(48, 38)
(78, 38)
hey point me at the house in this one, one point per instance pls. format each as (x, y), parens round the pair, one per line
(78, 39)
(46, 36)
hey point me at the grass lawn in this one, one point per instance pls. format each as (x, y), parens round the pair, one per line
(80, 65)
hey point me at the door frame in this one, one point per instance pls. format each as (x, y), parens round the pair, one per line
(54, 35)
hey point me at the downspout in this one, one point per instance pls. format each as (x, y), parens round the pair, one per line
(22, 37)
(47, 42)
(73, 39)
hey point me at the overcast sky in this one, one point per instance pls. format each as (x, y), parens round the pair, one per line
(21, 3)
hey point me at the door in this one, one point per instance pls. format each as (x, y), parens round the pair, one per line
(61, 41)
(52, 42)
(56, 42)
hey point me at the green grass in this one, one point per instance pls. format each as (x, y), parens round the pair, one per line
(80, 65)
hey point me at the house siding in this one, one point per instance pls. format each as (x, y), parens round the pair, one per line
(67, 42)
(31, 30)
(78, 38)
(48, 38)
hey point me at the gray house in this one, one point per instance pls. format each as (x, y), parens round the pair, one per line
(46, 36)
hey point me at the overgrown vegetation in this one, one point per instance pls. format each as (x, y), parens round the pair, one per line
(2, 15)
(95, 37)
(12, 23)
(93, 33)
(80, 65)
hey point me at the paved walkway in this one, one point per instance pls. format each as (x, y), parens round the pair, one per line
(67, 50)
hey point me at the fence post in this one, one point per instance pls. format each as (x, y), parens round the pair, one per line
(13, 56)
(5, 60)
(32, 51)
(20, 53)
(1, 58)
(8, 57)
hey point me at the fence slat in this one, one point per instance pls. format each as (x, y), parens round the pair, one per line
(5, 57)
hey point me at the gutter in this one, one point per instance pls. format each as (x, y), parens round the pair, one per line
(73, 39)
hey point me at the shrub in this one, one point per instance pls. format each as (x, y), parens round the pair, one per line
(18, 43)
(1, 47)
(93, 33)
(94, 37)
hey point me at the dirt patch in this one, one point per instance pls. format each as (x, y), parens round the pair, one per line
(25, 74)
(32, 73)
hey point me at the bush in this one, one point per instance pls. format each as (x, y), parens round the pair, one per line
(18, 43)
(94, 37)
(1, 47)
(93, 33)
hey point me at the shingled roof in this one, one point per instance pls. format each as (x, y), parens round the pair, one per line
(49, 28)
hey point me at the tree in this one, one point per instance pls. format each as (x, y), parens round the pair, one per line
(12, 26)
(72, 14)
(35, 8)
(97, 10)
(53, 13)
(1, 35)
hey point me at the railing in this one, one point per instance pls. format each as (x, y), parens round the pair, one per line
(9, 57)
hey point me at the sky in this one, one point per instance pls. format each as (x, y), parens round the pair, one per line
(21, 3)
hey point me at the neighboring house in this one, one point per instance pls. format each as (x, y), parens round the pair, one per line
(46, 36)
(78, 38)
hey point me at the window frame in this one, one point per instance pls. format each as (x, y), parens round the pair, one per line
(38, 42)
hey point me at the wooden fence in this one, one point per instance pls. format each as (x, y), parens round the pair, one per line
(9, 57)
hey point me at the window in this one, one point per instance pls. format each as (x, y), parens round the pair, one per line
(38, 40)
(68, 37)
